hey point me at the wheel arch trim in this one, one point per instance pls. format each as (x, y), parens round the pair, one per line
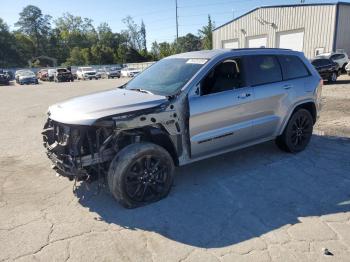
(292, 110)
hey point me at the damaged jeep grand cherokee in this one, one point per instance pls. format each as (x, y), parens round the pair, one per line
(184, 108)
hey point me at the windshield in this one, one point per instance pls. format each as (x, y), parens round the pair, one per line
(167, 76)
(27, 73)
(87, 69)
(320, 62)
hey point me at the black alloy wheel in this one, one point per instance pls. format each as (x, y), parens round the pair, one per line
(146, 179)
(297, 133)
(140, 174)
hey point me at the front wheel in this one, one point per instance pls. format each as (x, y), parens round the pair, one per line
(333, 77)
(140, 174)
(297, 134)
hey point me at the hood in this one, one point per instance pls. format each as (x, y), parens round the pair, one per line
(85, 110)
(89, 71)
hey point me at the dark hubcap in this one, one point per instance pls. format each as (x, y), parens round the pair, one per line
(146, 179)
(301, 130)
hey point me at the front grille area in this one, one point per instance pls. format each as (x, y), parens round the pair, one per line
(77, 151)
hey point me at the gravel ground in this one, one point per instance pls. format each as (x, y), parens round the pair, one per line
(258, 204)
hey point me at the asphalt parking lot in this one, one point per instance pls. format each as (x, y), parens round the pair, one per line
(258, 204)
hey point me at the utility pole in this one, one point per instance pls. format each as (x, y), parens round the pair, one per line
(177, 22)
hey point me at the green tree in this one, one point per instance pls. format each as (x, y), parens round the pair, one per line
(79, 57)
(206, 33)
(188, 43)
(101, 54)
(155, 52)
(34, 24)
(9, 54)
(143, 38)
(165, 49)
(76, 31)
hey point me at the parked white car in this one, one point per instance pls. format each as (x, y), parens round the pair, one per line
(87, 73)
(347, 68)
(340, 57)
(129, 72)
(51, 74)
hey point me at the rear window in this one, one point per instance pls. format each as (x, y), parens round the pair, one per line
(292, 67)
(264, 69)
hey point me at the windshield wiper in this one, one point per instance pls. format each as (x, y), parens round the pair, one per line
(142, 90)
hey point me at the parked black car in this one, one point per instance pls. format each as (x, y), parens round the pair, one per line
(327, 69)
(63, 75)
(4, 77)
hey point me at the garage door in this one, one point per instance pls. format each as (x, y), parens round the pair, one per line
(257, 42)
(291, 40)
(230, 44)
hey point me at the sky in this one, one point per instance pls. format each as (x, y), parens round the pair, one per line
(158, 15)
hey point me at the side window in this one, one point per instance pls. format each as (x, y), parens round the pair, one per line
(264, 69)
(223, 77)
(292, 67)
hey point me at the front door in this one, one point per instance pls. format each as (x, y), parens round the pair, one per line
(220, 115)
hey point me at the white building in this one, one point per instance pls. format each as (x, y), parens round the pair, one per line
(311, 28)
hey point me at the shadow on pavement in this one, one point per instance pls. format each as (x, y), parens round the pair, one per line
(237, 196)
(341, 82)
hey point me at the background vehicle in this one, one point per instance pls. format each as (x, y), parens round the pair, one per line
(340, 57)
(184, 108)
(347, 68)
(129, 72)
(4, 77)
(18, 72)
(43, 75)
(27, 77)
(63, 75)
(109, 72)
(87, 73)
(51, 74)
(327, 69)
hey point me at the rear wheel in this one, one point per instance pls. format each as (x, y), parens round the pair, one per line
(140, 174)
(297, 133)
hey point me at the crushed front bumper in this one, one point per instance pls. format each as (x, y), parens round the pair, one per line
(73, 150)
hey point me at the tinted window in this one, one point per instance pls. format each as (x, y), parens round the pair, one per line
(264, 69)
(292, 67)
(321, 62)
(337, 57)
(223, 77)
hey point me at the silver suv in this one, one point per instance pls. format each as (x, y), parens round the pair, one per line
(184, 108)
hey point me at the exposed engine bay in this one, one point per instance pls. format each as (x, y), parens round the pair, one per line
(82, 152)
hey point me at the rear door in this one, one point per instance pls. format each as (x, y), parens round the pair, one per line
(220, 120)
(270, 92)
(276, 81)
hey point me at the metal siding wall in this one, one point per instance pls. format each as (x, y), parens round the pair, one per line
(343, 35)
(317, 21)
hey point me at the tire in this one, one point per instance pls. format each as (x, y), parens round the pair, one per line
(297, 134)
(133, 184)
(333, 77)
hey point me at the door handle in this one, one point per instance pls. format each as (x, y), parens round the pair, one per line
(287, 86)
(244, 95)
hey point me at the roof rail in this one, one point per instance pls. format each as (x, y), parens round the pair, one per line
(260, 48)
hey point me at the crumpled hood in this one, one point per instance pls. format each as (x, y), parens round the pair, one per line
(85, 110)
